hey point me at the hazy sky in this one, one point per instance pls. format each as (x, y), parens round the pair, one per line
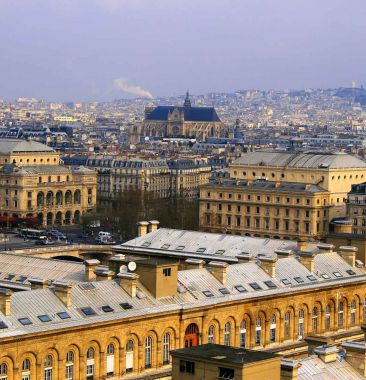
(86, 50)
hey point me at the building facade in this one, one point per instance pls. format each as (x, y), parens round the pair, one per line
(36, 186)
(356, 208)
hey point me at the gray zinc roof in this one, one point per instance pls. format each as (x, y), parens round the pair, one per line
(21, 146)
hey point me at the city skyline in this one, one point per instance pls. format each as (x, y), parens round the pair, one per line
(105, 50)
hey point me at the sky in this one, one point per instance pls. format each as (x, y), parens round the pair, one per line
(97, 50)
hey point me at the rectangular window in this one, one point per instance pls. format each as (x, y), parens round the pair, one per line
(186, 366)
(167, 272)
(226, 373)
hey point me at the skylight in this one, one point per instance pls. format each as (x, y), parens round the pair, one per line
(220, 252)
(21, 278)
(165, 246)
(180, 248)
(255, 286)
(201, 250)
(324, 275)
(285, 281)
(107, 309)
(88, 311)
(224, 291)
(351, 272)
(311, 277)
(299, 280)
(208, 293)
(63, 315)
(270, 284)
(337, 274)
(44, 318)
(240, 288)
(9, 277)
(146, 244)
(3, 325)
(25, 321)
(126, 306)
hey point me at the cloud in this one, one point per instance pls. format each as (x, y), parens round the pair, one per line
(121, 84)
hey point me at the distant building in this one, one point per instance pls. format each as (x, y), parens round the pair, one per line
(180, 121)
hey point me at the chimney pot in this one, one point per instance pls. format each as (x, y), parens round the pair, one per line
(268, 264)
(153, 225)
(90, 266)
(348, 254)
(38, 283)
(219, 270)
(63, 292)
(103, 273)
(194, 263)
(142, 228)
(128, 281)
(327, 353)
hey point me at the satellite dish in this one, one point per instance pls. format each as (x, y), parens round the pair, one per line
(123, 269)
(131, 266)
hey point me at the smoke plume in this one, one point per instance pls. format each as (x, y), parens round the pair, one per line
(122, 85)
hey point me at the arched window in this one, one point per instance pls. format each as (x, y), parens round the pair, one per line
(90, 356)
(301, 323)
(26, 369)
(227, 334)
(148, 352)
(287, 326)
(272, 329)
(315, 320)
(69, 372)
(258, 331)
(3, 371)
(48, 369)
(211, 334)
(129, 356)
(327, 318)
(166, 348)
(353, 312)
(340, 315)
(243, 333)
(110, 359)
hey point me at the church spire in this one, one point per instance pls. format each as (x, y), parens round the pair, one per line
(187, 101)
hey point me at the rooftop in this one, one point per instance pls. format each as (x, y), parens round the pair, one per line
(22, 146)
(203, 114)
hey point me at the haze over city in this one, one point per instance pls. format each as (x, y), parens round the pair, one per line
(106, 49)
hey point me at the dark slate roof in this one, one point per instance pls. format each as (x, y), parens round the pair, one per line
(190, 113)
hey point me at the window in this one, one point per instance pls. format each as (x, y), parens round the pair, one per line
(211, 334)
(110, 359)
(240, 288)
(126, 306)
(255, 286)
(337, 274)
(324, 275)
(353, 312)
(180, 248)
(351, 272)
(220, 251)
(25, 321)
(69, 370)
(63, 315)
(47, 370)
(258, 331)
(3, 325)
(167, 272)
(208, 293)
(186, 366)
(298, 280)
(90, 355)
(44, 318)
(340, 315)
(272, 329)
(107, 309)
(315, 320)
(129, 356)
(3, 371)
(224, 291)
(166, 348)
(88, 311)
(226, 374)
(201, 250)
(311, 277)
(227, 334)
(327, 318)
(287, 325)
(301, 323)
(285, 281)
(148, 352)
(165, 246)
(243, 334)
(270, 284)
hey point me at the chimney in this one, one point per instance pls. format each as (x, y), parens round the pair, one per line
(289, 369)
(218, 270)
(90, 266)
(348, 254)
(302, 244)
(356, 356)
(103, 273)
(283, 253)
(142, 228)
(153, 225)
(116, 261)
(63, 292)
(128, 281)
(268, 264)
(306, 258)
(327, 353)
(5, 295)
(38, 283)
(245, 258)
(277, 185)
(194, 264)
(325, 248)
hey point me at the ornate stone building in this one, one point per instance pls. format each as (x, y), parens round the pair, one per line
(175, 121)
(36, 186)
(125, 325)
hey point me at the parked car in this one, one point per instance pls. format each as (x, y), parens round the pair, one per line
(56, 235)
(45, 241)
